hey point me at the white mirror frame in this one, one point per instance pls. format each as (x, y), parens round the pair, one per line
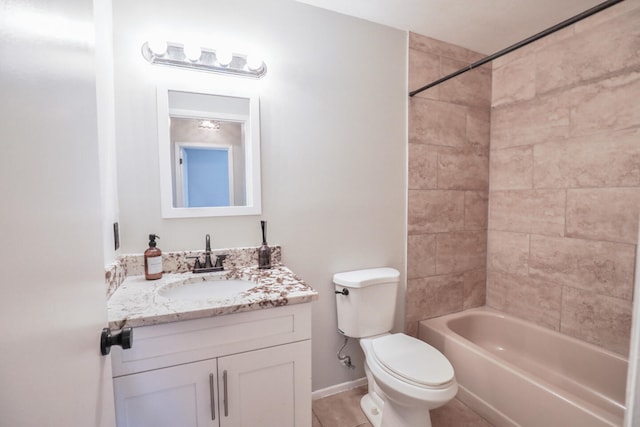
(252, 157)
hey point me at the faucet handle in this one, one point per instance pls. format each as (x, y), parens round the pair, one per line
(196, 263)
(219, 259)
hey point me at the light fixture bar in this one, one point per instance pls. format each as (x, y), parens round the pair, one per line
(208, 61)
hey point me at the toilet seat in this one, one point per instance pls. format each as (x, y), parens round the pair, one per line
(412, 360)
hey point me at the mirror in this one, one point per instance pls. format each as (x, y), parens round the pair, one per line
(209, 150)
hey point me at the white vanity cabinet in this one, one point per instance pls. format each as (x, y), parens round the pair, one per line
(248, 369)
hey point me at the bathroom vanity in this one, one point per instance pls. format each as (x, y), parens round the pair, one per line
(239, 360)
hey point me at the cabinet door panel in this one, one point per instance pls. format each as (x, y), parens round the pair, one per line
(267, 388)
(170, 397)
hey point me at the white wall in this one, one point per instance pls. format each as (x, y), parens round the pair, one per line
(106, 125)
(333, 127)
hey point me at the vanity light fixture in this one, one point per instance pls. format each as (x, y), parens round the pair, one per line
(192, 52)
(203, 59)
(157, 47)
(209, 124)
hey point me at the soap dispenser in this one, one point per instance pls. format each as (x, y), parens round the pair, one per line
(153, 260)
(264, 253)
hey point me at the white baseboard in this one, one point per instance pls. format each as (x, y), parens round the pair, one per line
(338, 388)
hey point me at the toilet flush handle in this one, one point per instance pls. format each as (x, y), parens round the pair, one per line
(344, 291)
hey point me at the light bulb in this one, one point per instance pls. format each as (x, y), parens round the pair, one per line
(192, 52)
(224, 57)
(254, 62)
(158, 47)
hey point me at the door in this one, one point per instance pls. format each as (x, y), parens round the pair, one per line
(183, 395)
(52, 294)
(206, 180)
(266, 388)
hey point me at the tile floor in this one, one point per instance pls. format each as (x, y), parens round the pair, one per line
(343, 410)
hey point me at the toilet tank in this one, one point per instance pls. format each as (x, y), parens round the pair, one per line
(368, 305)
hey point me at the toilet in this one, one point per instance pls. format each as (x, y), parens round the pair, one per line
(406, 377)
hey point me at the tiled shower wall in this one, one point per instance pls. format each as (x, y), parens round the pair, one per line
(564, 173)
(448, 182)
(565, 178)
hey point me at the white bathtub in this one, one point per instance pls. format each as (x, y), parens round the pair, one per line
(515, 373)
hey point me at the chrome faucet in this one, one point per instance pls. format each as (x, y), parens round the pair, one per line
(208, 266)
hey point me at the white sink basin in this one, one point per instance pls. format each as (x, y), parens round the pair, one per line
(205, 288)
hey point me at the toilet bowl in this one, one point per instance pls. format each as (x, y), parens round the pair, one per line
(406, 377)
(411, 374)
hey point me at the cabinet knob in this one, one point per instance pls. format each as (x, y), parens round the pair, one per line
(123, 338)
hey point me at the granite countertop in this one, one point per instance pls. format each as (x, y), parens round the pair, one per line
(137, 302)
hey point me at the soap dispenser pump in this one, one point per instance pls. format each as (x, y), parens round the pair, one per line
(153, 260)
(264, 253)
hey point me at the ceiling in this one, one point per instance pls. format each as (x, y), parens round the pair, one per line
(485, 26)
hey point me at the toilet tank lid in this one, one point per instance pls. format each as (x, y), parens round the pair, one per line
(368, 277)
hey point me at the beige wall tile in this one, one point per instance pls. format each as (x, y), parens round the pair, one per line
(604, 214)
(579, 58)
(528, 211)
(513, 56)
(565, 160)
(461, 251)
(410, 326)
(508, 252)
(475, 286)
(431, 297)
(534, 47)
(606, 105)
(437, 123)
(423, 167)
(618, 41)
(460, 169)
(602, 267)
(597, 319)
(530, 122)
(620, 10)
(609, 159)
(470, 88)
(454, 135)
(556, 66)
(525, 297)
(437, 47)
(421, 255)
(512, 168)
(476, 207)
(515, 81)
(435, 211)
(478, 126)
(423, 69)
(477, 56)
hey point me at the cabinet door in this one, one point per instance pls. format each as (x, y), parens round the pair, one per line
(267, 388)
(179, 396)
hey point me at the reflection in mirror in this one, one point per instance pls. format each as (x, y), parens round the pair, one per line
(209, 153)
(208, 162)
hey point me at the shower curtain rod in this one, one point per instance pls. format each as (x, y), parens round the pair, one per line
(520, 44)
